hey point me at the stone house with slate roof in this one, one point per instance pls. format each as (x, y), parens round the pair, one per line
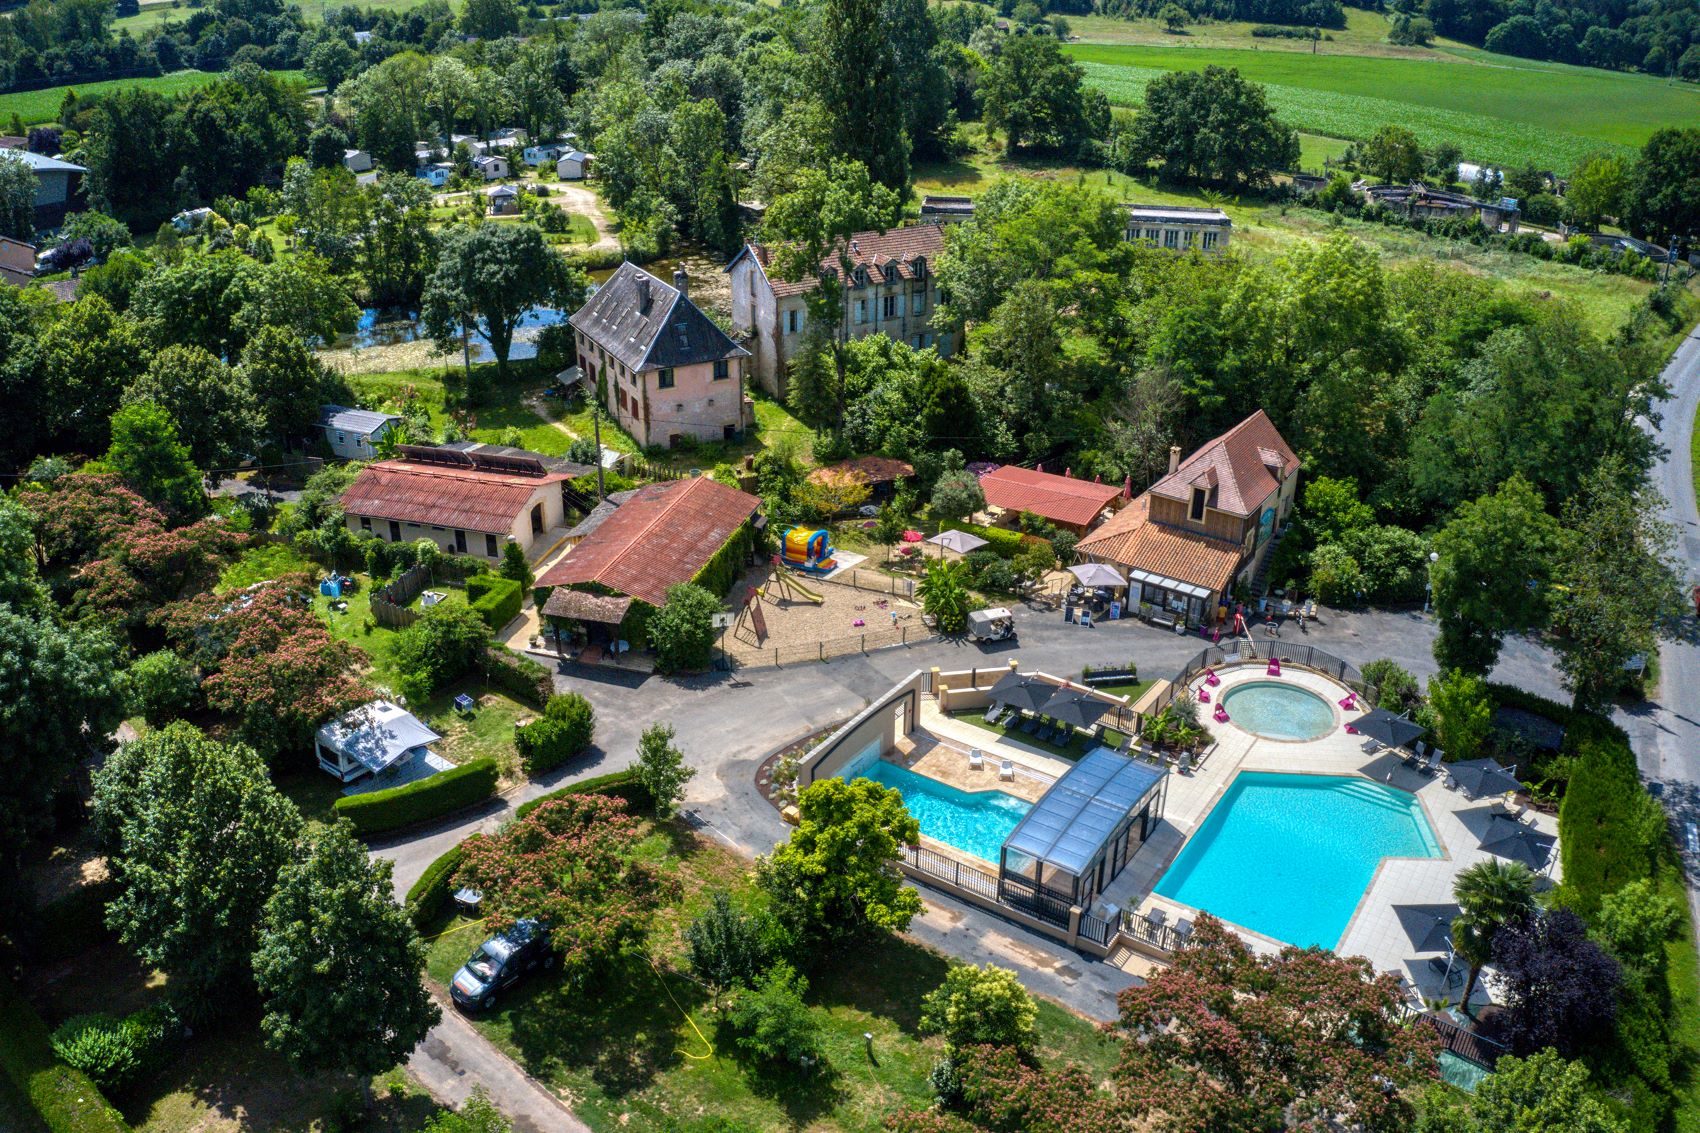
(891, 291)
(668, 371)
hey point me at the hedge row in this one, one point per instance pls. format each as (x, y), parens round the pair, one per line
(1610, 830)
(618, 785)
(566, 729)
(495, 599)
(1000, 539)
(427, 896)
(65, 1099)
(519, 676)
(376, 812)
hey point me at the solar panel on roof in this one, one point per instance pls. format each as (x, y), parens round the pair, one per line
(431, 454)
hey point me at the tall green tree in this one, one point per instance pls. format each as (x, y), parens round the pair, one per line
(1597, 189)
(192, 385)
(88, 355)
(1497, 558)
(661, 767)
(1394, 155)
(809, 229)
(1463, 713)
(682, 630)
(399, 249)
(1617, 586)
(856, 71)
(287, 382)
(61, 696)
(490, 275)
(339, 963)
(148, 455)
(198, 858)
(17, 198)
(1664, 191)
(837, 876)
(1541, 1094)
(1211, 126)
(1037, 96)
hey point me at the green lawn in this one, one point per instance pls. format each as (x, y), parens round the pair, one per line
(1365, 33)
(35, 106)
(1507, 110)
(642, 1049)
(1133, 690)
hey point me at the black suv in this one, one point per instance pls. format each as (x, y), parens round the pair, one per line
(499, 963)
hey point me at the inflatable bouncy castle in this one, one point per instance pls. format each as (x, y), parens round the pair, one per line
(807, 551)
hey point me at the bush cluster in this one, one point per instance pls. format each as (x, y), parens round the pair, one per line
(623, 785)
(520, 677)
(427, 896)
(565, 729)
(376, 812)
(64, 1097)
(115, 1053)
(496, 599)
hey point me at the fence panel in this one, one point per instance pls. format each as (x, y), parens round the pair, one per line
(1044, 903)
(872, 580)
(963, 876)
(1160, 936)
(1095, 929)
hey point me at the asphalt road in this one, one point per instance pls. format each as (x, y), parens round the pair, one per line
(1667, 734)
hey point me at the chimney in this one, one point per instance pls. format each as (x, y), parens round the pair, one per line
(643, 295)
(1174, 457)
(682, 282)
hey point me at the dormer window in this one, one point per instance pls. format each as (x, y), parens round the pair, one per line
(920, 267)
(1197, 512)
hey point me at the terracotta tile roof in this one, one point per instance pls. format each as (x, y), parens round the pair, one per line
(870, 469)
(1061, 499)
(464, 498)
(1235, 464)
(897, 247)
(661, 536)
(1129, 539)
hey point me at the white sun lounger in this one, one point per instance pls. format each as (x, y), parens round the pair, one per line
(976, 759)
(1006, 770)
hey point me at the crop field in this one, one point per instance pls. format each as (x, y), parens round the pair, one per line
(35, 106)
(1500, 113)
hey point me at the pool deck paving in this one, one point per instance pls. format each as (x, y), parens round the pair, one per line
(1374, 931)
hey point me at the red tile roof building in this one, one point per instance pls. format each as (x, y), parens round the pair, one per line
(1206, 523)
(1063, 500)
(663, 535)
(890, 291)
(464, 509)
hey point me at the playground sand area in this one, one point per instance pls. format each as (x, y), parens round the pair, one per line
(794, 622)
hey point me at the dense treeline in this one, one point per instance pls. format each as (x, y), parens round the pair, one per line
(1305, 13)
(1661, 37)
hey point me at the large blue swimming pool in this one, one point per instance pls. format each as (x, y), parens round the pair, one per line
(974, 821)
(1290, 856)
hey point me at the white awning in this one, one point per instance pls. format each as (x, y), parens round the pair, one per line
(1167, 583)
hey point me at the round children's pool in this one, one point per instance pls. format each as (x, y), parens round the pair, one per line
(1278, 710)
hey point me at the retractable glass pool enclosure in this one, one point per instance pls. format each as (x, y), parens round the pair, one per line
(1078, 837)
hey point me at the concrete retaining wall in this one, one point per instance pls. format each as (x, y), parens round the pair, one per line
(876, 728)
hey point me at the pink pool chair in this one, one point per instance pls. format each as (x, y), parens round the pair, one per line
(1349, 702)
(1204, 696)
(1220, 715)
(1351, 731)
(1274, 669)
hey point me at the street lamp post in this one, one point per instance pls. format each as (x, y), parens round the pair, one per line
(1428, 587)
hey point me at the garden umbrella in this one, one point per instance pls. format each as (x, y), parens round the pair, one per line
(1097, 574)
(1483, 777)
(1387, 728)
(959, 541)
(1075, 708)
(1508, 838)
(1428, 926)
(1027, 693)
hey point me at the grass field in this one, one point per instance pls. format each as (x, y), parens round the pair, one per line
(641, 1048)
(1497, 111)
(35, 106)
(1365, 33)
